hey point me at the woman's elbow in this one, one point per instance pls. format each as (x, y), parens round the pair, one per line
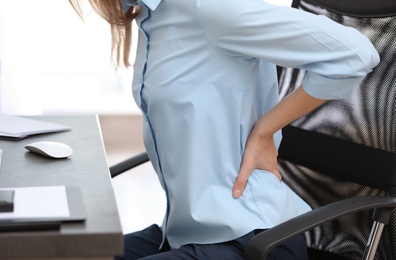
(369, 57)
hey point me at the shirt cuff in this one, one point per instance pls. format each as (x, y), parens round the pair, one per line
(322, 87)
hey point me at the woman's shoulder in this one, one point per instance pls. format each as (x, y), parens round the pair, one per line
(219, 16)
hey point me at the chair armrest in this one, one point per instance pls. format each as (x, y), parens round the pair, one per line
(261, 244)
(128, 164)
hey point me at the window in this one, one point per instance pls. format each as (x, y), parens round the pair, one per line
(53, 63)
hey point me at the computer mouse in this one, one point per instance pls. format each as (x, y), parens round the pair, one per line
(50, 149)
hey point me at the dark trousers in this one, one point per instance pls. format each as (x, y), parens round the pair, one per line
(145, 245)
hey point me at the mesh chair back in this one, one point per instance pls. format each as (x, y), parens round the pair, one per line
(348, 148)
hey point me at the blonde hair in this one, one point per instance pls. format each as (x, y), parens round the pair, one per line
(120, 26)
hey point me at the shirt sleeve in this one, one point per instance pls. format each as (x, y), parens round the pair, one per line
(336, 57)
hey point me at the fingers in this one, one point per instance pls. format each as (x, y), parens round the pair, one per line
(260, 153)
(276, 172)
(239, 187)
(240, 183)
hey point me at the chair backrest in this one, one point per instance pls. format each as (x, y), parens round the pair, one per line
(348, 148)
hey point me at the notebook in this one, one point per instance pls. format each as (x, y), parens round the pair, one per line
(17, 128)
(43, 208)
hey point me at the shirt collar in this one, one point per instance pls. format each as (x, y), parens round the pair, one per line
(152, 4)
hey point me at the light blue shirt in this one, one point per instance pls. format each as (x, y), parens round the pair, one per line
(204, 73)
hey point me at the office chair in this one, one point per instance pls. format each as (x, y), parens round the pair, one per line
(341, 158)
(345, 149)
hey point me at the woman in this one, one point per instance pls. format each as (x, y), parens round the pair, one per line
(205, 80)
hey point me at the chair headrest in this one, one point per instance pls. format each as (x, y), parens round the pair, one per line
(360, 8)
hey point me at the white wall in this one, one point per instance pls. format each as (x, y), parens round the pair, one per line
(53, 63)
